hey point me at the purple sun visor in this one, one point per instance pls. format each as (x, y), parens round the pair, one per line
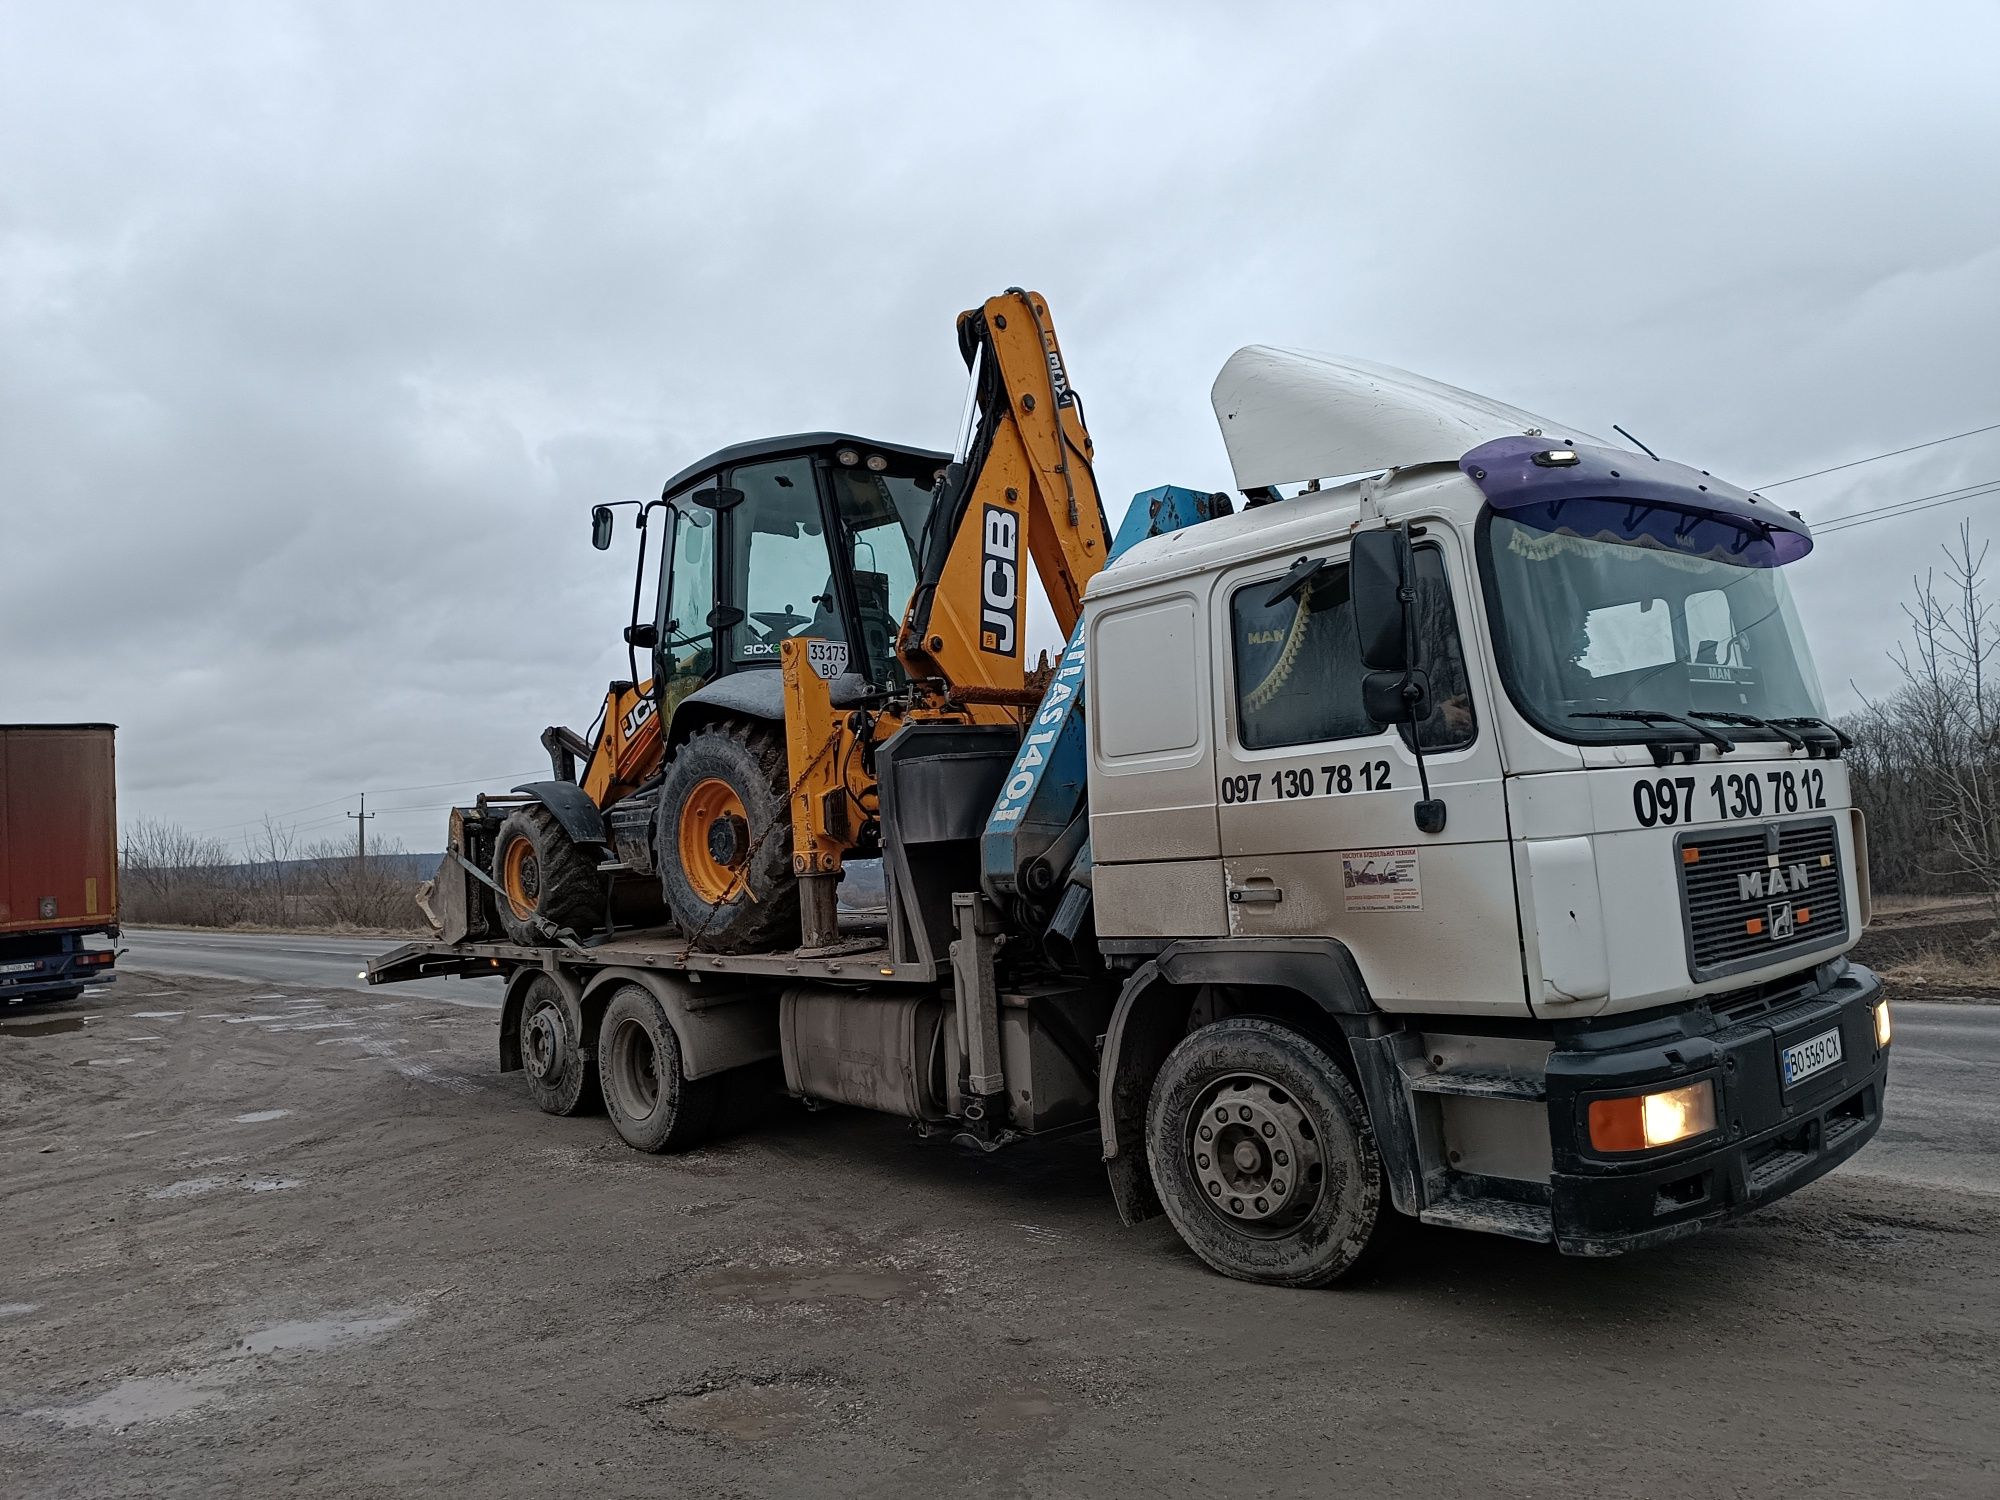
(1614, 496)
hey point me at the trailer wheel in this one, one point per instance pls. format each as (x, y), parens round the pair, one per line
(562, 1073)
(653, 1105)
(1263, 1155)
(543, 873)
(725, 841)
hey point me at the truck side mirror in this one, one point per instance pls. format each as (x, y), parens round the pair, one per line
(600, 526)
(1396, 697)
(1380, 579)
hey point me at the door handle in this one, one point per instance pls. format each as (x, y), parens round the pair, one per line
(1256, 895)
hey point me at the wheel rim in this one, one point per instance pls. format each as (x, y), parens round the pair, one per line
(1256, 1154)
(635, 1069)
(544, 1044)
(713, 839)
(521, 877)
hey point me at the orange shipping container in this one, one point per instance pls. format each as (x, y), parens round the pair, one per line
(58, 829)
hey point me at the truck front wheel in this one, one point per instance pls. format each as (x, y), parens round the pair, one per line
(1263, 1157)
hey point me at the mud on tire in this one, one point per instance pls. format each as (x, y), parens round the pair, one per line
(653, 1104)
(723, 840)
(559, 1060)
(542, 872)
(1263, 1156)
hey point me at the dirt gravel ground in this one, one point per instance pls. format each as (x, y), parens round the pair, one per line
(262, 1241)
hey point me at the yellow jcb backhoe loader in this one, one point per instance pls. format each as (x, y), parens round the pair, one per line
(816, 593)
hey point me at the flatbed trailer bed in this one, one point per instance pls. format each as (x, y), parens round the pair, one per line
(861, 960)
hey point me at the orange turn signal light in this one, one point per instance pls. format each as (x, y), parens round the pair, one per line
(1645, 1122)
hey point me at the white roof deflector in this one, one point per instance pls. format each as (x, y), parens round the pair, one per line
(1288, 416)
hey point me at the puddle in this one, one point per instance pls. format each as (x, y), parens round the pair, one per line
(157, 1015)
(767, 1286)
(746, 1408)
(187, 1187)
(271, 1184)
(157, 1398)
(145, 1039)
(17, 1309)
(322, 1026)
(321, 1333)
(54, 1026)
(137, 1135)
(246, 1020)
(259, 1116)
(145, 1398)
(111, 1062)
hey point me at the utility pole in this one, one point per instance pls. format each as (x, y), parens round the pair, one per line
(361, 833)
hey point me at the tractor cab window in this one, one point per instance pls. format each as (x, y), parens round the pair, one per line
(781, 578)
(882, 523)
(687, 636)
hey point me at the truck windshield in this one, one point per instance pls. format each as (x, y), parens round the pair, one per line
(1587, 625)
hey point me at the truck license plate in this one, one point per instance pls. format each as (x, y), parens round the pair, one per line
(20, 968)
(1809, 1057)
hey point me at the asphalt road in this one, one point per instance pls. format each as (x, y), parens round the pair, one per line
(271, 1238)
(317, 959)
(1942, 1129)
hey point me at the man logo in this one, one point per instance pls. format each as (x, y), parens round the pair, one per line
(1781, 921)
(999, 581)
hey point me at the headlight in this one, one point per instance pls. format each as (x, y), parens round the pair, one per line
(1883, 1030)
(1645, 1122)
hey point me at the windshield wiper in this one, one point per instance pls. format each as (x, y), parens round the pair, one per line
(1751, 721)
(1658, 716)
(1841, 739)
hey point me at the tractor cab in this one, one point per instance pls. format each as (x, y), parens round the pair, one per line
(815, 535)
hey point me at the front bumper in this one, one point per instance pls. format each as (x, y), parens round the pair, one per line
(1769, 1140)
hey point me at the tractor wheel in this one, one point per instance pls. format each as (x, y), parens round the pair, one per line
(724, 835)
(542, 873)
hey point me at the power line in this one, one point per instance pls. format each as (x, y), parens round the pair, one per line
(1897, 509)
(380, 791)
(1871, 458)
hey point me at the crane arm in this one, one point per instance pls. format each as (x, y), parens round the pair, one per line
(1021, 487)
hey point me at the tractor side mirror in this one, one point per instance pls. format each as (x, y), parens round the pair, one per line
(643, 637)
(600, 527)
(1381, 579)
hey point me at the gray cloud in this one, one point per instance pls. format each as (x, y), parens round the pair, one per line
(320, 327)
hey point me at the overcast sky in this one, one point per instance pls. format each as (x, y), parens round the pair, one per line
(322, 326)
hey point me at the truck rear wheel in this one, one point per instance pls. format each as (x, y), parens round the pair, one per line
(1263, 1156)
(543, 873)
(652, 1102)
(724, 835)
(562, 1075)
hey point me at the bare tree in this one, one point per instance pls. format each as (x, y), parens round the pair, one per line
(1926, 765)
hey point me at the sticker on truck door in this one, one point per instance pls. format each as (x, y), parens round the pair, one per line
(1382, 880)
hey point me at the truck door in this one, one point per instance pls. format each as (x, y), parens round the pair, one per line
(1316, 803)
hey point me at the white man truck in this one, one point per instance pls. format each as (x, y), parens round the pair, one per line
(1465, 842)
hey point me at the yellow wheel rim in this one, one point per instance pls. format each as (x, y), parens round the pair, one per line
(713, 840)
(521, 878)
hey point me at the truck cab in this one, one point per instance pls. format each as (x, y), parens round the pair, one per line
(1646, 868)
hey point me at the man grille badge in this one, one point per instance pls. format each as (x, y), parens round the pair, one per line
(1781, 922)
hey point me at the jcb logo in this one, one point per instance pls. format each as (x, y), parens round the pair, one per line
(636, 716)
(999, 581)
(1058, 378)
